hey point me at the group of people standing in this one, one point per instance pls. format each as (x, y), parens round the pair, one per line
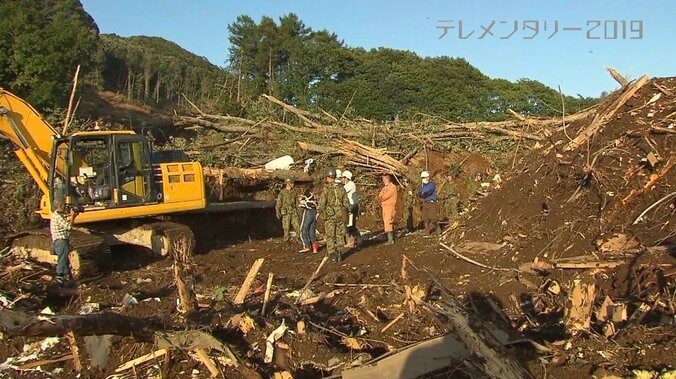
(338, 207)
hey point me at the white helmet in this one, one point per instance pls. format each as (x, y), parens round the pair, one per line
(339, 174)
(347, 174)
(424, 174)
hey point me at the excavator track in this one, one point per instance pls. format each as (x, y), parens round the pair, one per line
(171, 236)
(161, 237)
(89, 254)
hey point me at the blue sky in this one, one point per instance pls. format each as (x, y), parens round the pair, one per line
(569, 58)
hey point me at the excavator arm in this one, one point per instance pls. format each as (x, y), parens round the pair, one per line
(30, 133)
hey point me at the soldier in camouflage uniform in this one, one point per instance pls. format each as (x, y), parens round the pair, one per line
(448, 191)
(333, 208)
(287, 209)
(407, 214)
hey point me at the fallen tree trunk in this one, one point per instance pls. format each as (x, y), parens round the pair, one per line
(314, 148)
(185, 121)
(15, 323)
(257, 174)
(511, 133)
(302, 114)
(326, 130)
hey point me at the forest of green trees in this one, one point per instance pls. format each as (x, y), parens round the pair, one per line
(44, 40)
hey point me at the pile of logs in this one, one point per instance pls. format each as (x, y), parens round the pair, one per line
(372, 146)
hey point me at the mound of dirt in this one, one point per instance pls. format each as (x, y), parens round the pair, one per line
(561, 202)
(566, 214)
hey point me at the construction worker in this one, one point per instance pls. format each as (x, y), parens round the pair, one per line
(388, 201)
(333, 208)
(60, 225)
(407, 215)
(308, 224)
(351, 231)
(287, 209)
(430, 211)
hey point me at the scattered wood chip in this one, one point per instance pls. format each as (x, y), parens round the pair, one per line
(617, 242)
(619, 313)
(353, 343)
(609, 329)
(300, 328)
(282, 375)
(605, 311)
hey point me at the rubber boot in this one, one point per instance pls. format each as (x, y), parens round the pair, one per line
(315, 247)
(64, 281)
(390, 238)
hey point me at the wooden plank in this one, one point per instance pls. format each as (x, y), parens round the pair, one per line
(43, 362)
(241, 295)
(268, 286)
(202, 356)
(142, 359)
(320, 297)
(314, 275)
(586, 265)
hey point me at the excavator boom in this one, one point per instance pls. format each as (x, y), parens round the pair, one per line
(30, 133)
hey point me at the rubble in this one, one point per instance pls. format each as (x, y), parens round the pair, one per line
(563, 265)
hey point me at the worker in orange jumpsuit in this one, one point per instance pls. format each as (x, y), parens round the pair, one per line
(388, 201)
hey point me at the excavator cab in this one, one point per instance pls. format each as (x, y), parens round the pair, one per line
(106, 175)
(102, 170)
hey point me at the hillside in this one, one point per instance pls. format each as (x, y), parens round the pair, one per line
(313, 69)
(154, 70)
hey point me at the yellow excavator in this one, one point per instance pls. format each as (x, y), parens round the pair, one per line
(108, 176)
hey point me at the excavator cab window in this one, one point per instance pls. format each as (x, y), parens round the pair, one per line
(89, 169)
(102, 171)
(133, 170)
(58, 174)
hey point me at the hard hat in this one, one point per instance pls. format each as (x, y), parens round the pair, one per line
(424, 174)
(330, 172)
(289, 180)
(338, 173)
(347, 174)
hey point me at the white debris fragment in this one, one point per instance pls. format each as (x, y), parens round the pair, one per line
(89, 308)
(128, 300)
(272, 338)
